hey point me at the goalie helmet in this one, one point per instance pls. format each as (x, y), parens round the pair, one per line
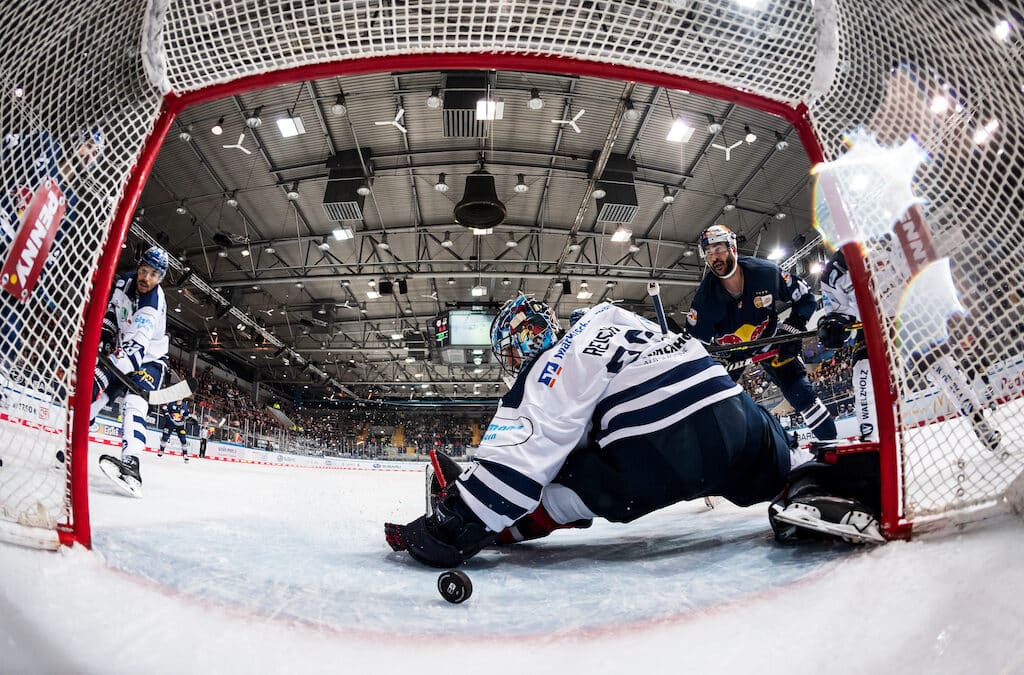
(523, 328)
(156, 258)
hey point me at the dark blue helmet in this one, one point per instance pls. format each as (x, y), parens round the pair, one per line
(156, 258)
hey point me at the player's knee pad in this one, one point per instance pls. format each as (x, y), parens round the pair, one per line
(135, 404)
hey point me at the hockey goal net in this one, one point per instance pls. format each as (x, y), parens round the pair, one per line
(88, 91)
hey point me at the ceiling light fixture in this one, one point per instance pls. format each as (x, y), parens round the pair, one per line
(441, 186)
(681, 131)
(324, 245)
(585, 292)
(339, 109)
(451, 281)
(372, 283)
(254, 121)
(293, 192)
(181, 210)
(481, 231)
(222, 253)
(599, 193)
(232, 200)
(186, 135)
(574, 245)
(730, 203)
(633, 247)
(621, 234)
(343, 232)
(270, 250)
(372, 295)
(434, 100)
(521, 185)
(780, 215)
(631, 113)
(714, 126)
(479, 291)
(748, 135)
(667, 197)
(511, 242)
(489, 109)
(245, 252)
(218, 128)
(447, 241)
(383, 243)
(290, 126)
(506, 282)
(535, 102)
(363, 189)
(780, 142)
(777, 253)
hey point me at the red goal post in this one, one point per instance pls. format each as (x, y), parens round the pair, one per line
(828, 68)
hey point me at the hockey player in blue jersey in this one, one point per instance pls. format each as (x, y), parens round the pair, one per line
(135, 337)
(175, 414)
(615, 420)
(736, 303)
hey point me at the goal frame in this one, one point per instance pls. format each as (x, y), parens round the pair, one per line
(892, 522)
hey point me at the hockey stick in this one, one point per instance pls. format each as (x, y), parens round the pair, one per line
(654, 290)
(771, 340)
(175, 392)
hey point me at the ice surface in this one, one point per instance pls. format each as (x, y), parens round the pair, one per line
(231, 568)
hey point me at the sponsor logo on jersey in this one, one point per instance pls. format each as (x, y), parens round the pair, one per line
(549, 375)
(744, 333)
(765, 300)
(503, 431)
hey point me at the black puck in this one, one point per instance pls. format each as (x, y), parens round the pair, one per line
(455, 586)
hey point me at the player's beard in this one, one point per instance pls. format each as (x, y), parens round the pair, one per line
(728, 267)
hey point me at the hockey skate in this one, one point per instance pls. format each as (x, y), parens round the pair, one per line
(184, 456)
(160, 452)
(989, 436)
(124, 475)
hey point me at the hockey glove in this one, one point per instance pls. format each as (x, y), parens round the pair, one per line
(833, 329)
(108, 337)
(793, 325)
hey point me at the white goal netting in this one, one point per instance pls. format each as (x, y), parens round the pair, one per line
(81, 90)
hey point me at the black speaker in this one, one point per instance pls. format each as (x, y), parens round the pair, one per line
(566, 287)
(480, 206)
(384, 287)
(403, 287)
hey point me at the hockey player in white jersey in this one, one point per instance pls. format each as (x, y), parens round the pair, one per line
(616, 419)
(135, 337)
(939, 366)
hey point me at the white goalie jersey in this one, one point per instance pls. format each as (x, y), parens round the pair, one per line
(612, 376)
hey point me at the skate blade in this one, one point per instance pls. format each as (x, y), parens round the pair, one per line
(128, 486)
(845, 531)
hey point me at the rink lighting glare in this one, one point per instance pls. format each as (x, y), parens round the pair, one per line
(777, 254)
(342, 233)
(1002, 30)
(372, 295)
(489, 109)
(815, 268)
(218, 128)
(984, 135)
(621, 235)
(290, 126)
(681, 132)
(939, 105)
(479, 291)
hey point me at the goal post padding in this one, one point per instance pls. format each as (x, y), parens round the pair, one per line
(827, 67)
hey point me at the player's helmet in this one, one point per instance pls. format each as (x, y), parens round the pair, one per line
(523, 328)
(156, 258)
(716, 234)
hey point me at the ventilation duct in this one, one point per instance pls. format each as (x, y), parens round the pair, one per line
(342, 202)
(462, 91)
(619, 205)
(480, 206)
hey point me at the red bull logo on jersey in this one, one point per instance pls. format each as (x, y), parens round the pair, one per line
(744, 333)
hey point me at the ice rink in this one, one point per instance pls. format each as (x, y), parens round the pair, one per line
(235, 568)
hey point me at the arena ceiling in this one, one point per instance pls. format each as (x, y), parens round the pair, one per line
(243, 211)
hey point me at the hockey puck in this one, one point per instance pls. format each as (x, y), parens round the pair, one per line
(454, 586)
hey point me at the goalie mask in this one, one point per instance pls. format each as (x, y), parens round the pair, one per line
(719, 242)
(523, 328)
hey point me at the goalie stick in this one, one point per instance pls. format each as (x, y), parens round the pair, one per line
(175, 392)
